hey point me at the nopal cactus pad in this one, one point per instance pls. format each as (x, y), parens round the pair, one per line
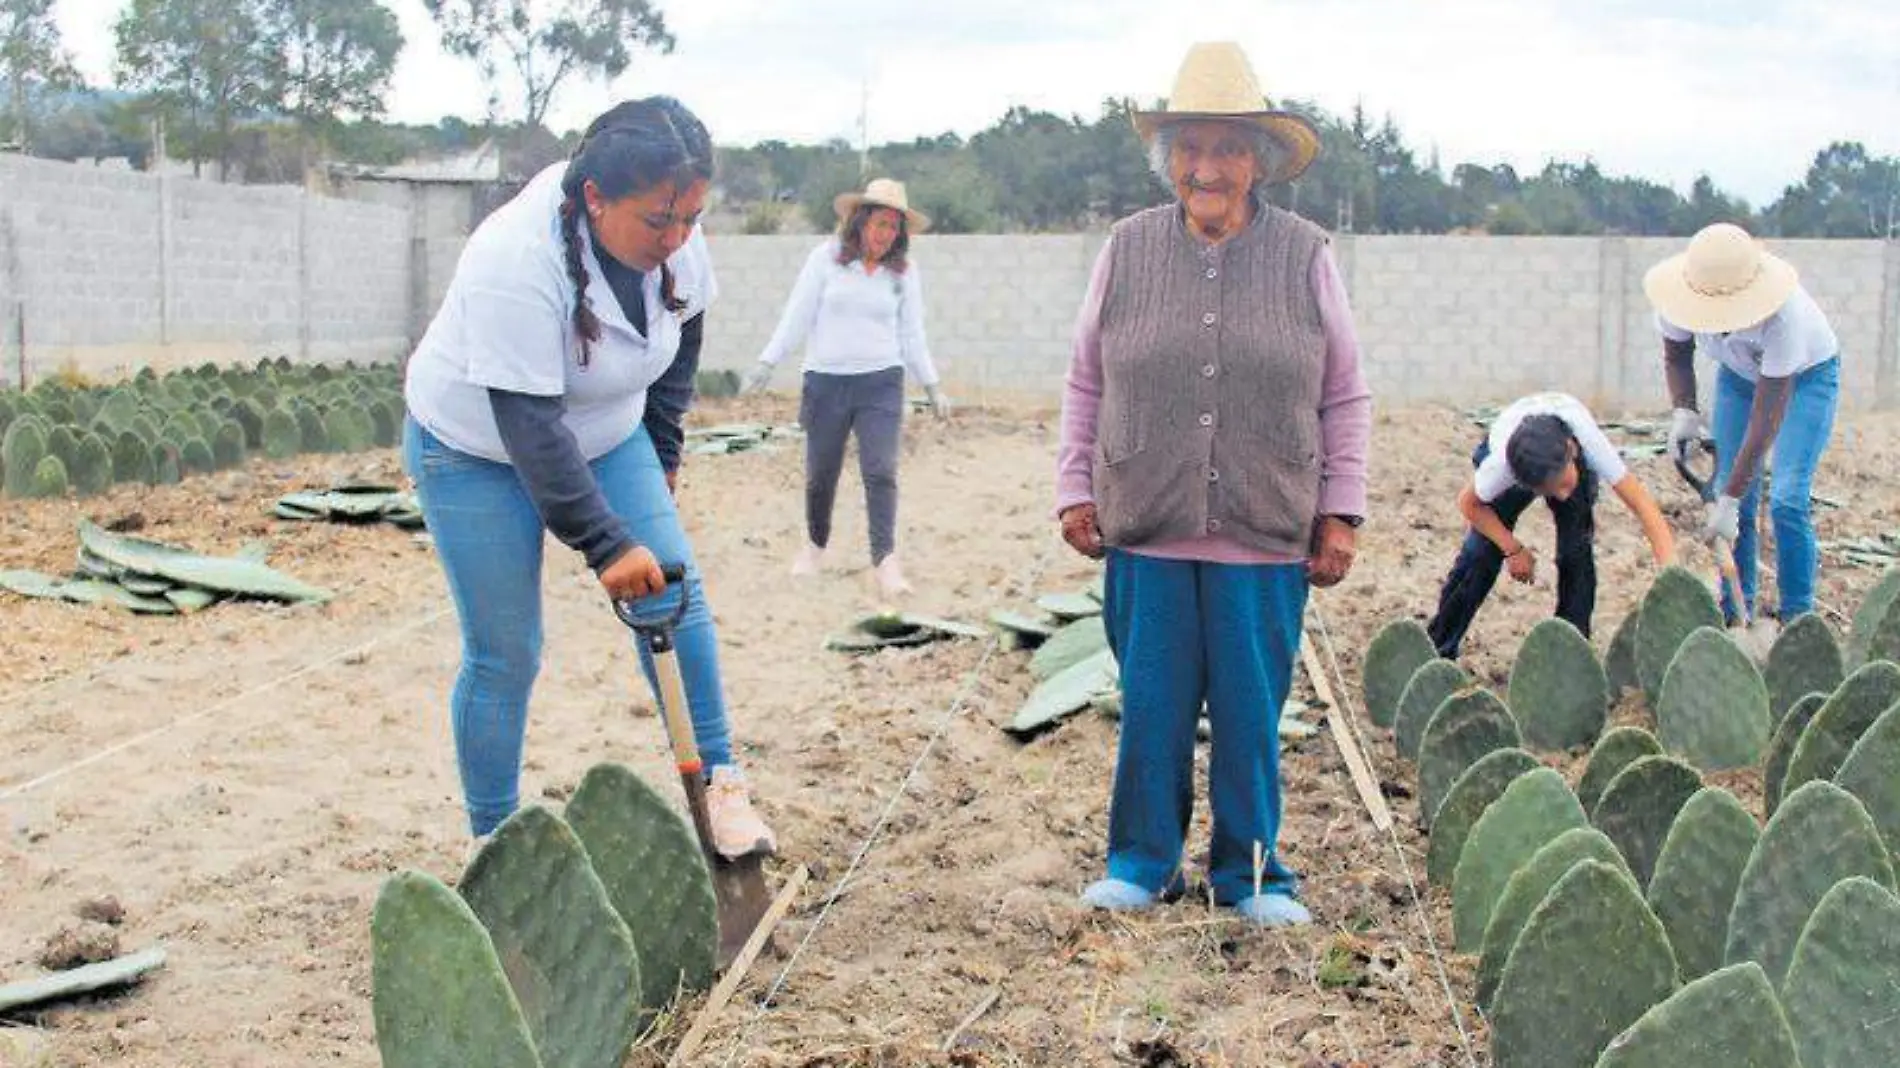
(1525, 891)
(1481, 784)
(1872, 774)
(1619, 664)
(1700, 865)
(1430, 686)
(1068, 646)
(1713, 711)
(1848, 713)
(1400, 648)
(1868, 618)
(438, 994)
(1536, 808)
(1639, 807)
(1675, 606)
(1591, 961)
(1781, 747)
(1805, 659)
(656, 877)
(1465, 728)
(566, 952)
(1613, 752)
(1729, 1017)
(1819, 836)
(1843, 989)
(1559, 693)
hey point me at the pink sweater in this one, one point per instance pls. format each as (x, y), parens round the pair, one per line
(1345, 418)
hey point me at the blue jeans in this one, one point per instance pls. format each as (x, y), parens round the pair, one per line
(488, 536)
(1187, 634)
(1805, 432)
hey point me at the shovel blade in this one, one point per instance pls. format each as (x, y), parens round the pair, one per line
(739, 888)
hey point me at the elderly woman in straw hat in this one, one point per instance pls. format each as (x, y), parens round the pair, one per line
(1213, 448)
(1776, 392)
(858, 308)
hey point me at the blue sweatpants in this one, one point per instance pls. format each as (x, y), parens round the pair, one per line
(1186, 634)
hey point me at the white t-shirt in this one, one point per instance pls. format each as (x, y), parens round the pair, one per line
(507, 322)
(1795, 338)
(853, 322)
(1494, 474)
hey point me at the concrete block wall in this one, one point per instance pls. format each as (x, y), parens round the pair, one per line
(109, 271)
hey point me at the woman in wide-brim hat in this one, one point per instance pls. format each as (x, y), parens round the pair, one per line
(858, 309)
(1778, 388)
(1213, 449)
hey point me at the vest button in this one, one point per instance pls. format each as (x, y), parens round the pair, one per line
(1213, 475)
(1208, 319)
(1213, 526)
(1207, 418)
(1212, 273)
(1207, 371)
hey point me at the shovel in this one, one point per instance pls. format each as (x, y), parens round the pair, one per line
(738, 883)
(1724, 557)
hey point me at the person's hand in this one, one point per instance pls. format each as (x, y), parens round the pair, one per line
(1724, 520)
(1686, 427)
(1523, 564)
(633, 574)
(673, 482)
(1335, 543)
(756, 381)
(939, 404)
(1079, 529)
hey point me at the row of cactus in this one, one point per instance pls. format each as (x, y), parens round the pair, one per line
(1647, 918)
(566, 935)
(154, 429)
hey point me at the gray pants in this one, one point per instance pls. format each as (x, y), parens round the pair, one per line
(830, 408)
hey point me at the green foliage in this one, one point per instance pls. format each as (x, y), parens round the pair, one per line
(1840, 722)
(1591, 961)
(313, 431)
(1781, 747)
(203, 63)
(167, 470)
(1430, 686)
(1819, 836)
(546, 46)
(283, 435)
(1400, 648)
(92, 466)
(195, 457)
(1728, 1017)
(131, 458)
(49, 478)
(1526, 889)
(1871, 773)
(1843, 988)
(1869, 616)
(1559, 693)
(1700, 865)
(1537, 807)
(1640, 804)
(64, 444)
(1616, 750)
(1806, 658)
(227, 449)
(1466, 727)
(1714, 705)
(20, 454)
(1480, 785)
(1676, 605)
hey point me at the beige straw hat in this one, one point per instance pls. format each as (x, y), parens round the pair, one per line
(1216, 82)
(1725, 281)
(885, 193)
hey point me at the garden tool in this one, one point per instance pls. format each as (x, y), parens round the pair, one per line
(738, 882)
(1757, 640)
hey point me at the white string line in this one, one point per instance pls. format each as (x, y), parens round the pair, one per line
(181, 722)
(950, 713)
(1398, 848)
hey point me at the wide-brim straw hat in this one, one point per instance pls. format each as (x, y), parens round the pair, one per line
(885, 193)
(1724, 281)
(1216, 82)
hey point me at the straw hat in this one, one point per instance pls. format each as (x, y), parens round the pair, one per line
(1725, 281)
(1216, 82)
(885, 193)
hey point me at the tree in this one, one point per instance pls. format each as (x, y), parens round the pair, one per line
(32, 58)
(547, 41)
(1846, 194)
(330, 60)
(204, 62)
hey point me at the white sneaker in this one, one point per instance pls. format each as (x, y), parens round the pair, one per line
(1273, 910)
(890, 577)
(736, 826)
(808, 561)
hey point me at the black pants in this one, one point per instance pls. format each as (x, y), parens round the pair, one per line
(1476, 569)
(831, 408)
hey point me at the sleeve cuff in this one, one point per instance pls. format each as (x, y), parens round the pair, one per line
(1068, 497)
(1343, 496)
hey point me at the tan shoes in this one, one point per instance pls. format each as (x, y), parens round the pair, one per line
(736, 826)
(808, 561)
(890, 577)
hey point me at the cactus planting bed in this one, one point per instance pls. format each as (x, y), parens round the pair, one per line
(284, 762)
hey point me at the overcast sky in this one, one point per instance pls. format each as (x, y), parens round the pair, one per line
(1746, 90)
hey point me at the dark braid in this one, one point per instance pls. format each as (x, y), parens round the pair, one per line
(630, 148)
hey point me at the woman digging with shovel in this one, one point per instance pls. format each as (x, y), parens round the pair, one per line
(547, 395)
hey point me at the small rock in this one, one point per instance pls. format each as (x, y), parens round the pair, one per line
(77, 944)
(106, 910)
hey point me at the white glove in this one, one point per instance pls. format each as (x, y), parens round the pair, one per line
(1686, 427)
(1724, 520)
(758, 378)
(939, 404)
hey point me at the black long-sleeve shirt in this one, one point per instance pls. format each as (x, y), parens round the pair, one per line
(548, 460)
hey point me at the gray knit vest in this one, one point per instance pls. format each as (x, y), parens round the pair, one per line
(1213, 359)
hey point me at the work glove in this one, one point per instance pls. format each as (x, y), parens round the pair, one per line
(939, 404)
(1724, 520)
(758, 378)
(1686, 427)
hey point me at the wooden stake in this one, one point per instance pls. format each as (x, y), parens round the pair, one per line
(1362, 777)
(988, 1003)
(729, 983)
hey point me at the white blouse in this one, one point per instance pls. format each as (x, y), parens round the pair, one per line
(852, 321)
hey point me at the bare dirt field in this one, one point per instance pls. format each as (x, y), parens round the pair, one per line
(243, 780)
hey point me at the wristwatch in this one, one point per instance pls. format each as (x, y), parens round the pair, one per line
(1353, 521)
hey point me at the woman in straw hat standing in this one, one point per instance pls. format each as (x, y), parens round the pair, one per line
(1777, 389)
(1213, 448)
(858, 308)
